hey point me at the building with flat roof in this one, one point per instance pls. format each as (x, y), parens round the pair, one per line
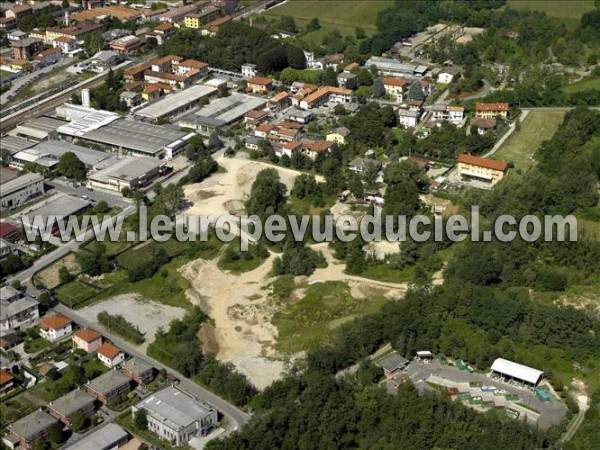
(14, 144)
(38, 129)
(21, 190)
(109, 437)
(221, 112)
(392, 363)
(176, 416)
(61, 207)
(76, 401)
(390, 66)
(174, 104)
(127, 172)
(31, 427)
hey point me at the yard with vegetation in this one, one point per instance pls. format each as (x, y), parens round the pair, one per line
(309, 321)
(524, 142)
(591, 82)
(567, 11)
(15, 408)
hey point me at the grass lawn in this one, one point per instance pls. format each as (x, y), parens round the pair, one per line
(112, 248)
(536, 128)
(14, 409)
(5, 73)
(584, 84)
(75, 294)
(35, 345)
(567, 11)
(383, 272)
(324, 307)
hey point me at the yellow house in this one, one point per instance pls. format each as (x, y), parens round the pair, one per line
(482, 169)
(491, 110)
(192, 21)
(338, 135)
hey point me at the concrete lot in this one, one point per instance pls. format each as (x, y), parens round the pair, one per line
(551, 413)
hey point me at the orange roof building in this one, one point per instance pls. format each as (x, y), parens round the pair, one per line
(110, 355)
(481, 169)
(491, 110)
(390, 81)
(87, 334)
(55, 322)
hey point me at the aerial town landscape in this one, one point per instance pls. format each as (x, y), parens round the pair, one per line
(133, 112)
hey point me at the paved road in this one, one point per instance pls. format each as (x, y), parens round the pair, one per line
(112, 198)
(237, 417)
(573, 426)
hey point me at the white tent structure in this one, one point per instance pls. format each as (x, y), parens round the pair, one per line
(517, 371)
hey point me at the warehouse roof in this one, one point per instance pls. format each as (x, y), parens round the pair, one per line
(88, 156)
(20, 182)
(127, 169)
(516, 370)
(175, 101)
(63, 206)
(226, 110)
(135, 135)
(14, 144)
(108, 381)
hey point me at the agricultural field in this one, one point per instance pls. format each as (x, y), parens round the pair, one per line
(535, 129)
(567, 11)
(342, 15)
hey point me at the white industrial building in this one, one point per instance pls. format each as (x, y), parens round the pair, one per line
(516, 371)
(127, 172)
(174, 104)
(175, 416)
(19, 191)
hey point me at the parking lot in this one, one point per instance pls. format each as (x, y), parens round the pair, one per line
(551, 412)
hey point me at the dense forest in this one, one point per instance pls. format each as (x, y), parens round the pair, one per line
(483, 311)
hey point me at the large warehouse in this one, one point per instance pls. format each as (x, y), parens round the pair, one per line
(174, 104)
(48, 153)
(516, 371)
(127, 172)
(221, 113)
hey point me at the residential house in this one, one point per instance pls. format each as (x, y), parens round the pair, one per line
(77, 401)
(491, 110)
(439, 111)
(108, 386)
(249, 70)
(5, 249)
(77, 32)
(130, 98)
(255, 117)
(7, 382)
(338, 135)
(481, 169)
(188, 67)
(263, 130)
(18, 11)
(10, 340)
(408, 118)
(26, 48)
(287, 148)
(65, 43)
(16, 35)
(327, 94)
(392, 364)
(197, 19)
(395, 87)
(300, 116)
(8, 23)
(55, 327)
(171, 79)
(347, 80)
(16, 310)
(20, 65)
(456, 114)
(280, 102)
(105, 59)
(87, 339)
(259, 85)
(312, 148)
(482, 125)
(140, 371)
(110, 355)
(359, 165)
(252, 142)
(175, 416)
(48, 57)
(33, 426)
(448, 74)
(177, 15)
(161, 33)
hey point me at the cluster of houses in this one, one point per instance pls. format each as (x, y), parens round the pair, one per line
(173, 414)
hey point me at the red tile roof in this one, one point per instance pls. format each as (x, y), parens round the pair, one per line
(260, 81)
(88, 335)
(54, 322)
(6, 229)
(109, 351)
(491, 106)
(5, 377)
(395, 82)
(279, 97)
(483, 162)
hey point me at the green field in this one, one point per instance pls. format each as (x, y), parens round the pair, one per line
(5, 73)
(324, 307)
(584, 84)
(342, 15)
(535, 128)
(567, 11)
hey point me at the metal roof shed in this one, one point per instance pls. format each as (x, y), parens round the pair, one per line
(518, 371)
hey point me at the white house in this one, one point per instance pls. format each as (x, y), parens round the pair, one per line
(55, 326)
(448, 75)
(65, 43)
(456, 113)
(110, 355)
(16, 310)
(408, 118)
(249, 70)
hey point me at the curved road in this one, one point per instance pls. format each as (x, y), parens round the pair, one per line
(238, 417)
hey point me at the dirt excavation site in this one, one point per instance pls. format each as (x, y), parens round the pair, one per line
(240, 305)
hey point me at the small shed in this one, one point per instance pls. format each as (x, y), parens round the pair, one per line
(392, 364)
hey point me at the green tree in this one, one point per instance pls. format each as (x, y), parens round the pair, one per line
(102, 207)
(93, 43)
(64, 276)
(78, 422)
(267, 195)
(94, 261)
(288, 23)
(313, 25)
(71, 167)
(140, 419)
